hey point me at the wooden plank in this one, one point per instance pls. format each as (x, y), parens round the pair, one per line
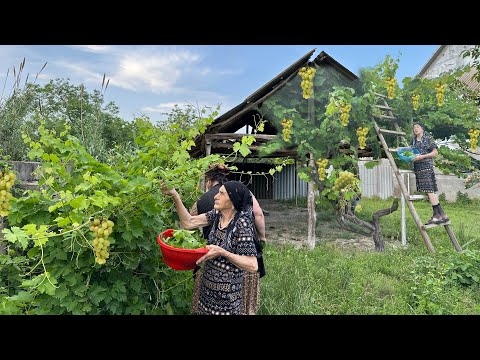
(417, 197)
(385, 117)
(392, 132)
(435, 225)
(384, 107)
(402, 171)
(229, 136)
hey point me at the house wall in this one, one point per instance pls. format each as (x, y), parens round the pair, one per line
(448, 59)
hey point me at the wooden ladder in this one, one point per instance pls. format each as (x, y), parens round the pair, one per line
(387, 114)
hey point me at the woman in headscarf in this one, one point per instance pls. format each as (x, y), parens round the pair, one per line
(233, 249)
(424, 173)
(216, 176)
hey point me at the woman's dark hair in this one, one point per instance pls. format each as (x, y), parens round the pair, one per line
(218, 172)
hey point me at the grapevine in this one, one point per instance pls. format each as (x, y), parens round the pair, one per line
(391, 83)
(473, 138)
(307, 74)
(415, 101)
(345, 179)
(101, 229)
(7, 179)
(362, 137)
(322, 166)
(440, 89)
(345, 109)
(287, 129)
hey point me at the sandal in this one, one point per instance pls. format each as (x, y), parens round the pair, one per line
(435, 220)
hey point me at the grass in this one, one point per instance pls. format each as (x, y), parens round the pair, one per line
(329, 280)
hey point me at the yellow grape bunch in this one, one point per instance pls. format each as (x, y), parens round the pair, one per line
(440, 89)
(345, 110)
(345, 179)
(474, 133)
(322, 168)
(101, 228)
(391, 83)
(307, 74)
(415, 101)
(287, 129)
(7, 179)
(362, 137)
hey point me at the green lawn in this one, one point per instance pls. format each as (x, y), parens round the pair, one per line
(328, 280)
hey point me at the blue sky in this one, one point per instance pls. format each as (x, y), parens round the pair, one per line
(151, 79)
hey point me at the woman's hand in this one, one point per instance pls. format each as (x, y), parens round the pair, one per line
(169, 192)
(213, 252)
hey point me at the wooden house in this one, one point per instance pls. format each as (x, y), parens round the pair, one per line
(285, 87)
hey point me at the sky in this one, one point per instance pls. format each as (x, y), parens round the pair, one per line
(150, 79)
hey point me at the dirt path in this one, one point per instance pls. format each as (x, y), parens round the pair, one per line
(289, 225)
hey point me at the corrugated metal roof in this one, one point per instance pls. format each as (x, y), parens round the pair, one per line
(466, 78)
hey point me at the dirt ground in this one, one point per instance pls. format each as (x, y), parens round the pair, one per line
(289, 225)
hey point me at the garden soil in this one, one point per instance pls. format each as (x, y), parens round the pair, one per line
(287, 224)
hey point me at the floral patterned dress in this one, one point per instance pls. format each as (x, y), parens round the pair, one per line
(221, 288)
(424, 174)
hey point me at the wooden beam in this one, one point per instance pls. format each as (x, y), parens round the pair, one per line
(229, 136)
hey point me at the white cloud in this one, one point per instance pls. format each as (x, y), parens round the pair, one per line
(82, 71)
(163, 107)
(93, 48)
(158, 73)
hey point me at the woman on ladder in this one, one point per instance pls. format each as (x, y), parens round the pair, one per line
(424, 173)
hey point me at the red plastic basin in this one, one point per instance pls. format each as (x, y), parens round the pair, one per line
(178, 258)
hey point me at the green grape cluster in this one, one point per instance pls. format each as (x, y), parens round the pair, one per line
(345, 178)
(362, 137)
(101, 228)
(322, 168)
(307, 74)
(7, 179)
(440, 89)
(473, 138)
(287, 129)
(345, 110)
(391, 83)
(415, 101)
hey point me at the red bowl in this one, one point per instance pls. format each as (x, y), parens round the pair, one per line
(178, 258)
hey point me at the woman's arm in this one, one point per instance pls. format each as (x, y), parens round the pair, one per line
(187, 221)
(247, 263)
(259, 219)
(431, 154)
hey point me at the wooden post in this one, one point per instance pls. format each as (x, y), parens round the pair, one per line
(208, 150)
(3, 249)
(312, 215)
(404, 220)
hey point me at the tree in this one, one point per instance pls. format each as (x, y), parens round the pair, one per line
(329, 124)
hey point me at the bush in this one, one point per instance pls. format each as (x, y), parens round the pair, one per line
(462, 198)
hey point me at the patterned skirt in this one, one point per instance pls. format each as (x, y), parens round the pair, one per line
(250, 295)
(425, 177)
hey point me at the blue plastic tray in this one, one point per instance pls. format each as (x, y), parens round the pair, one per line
(407, 158)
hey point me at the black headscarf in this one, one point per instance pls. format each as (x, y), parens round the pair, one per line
(239, 195)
